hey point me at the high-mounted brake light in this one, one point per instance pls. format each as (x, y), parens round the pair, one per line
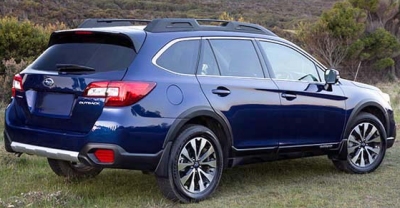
(83, 32)
(17, 85)
(119, 93)
(104, 155)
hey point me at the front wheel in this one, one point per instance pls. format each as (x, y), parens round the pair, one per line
(365, 147)
(195, 166)
(73, 170)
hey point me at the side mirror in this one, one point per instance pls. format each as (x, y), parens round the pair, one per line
(331, 76)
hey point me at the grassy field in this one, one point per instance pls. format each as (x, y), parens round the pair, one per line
(312, 182)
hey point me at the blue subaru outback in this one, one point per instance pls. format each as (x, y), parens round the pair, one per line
(185, 99)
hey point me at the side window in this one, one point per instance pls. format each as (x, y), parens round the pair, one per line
(321, 73)
(289, 64)
(208, 65)
(237, 58)
(181, 57)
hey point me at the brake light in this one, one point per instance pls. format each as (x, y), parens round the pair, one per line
(83, 33)
(104, 155)
(17, 85)
(119, 93)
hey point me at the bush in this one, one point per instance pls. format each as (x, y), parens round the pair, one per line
(11, 68)
(21, 40)
(20, 43)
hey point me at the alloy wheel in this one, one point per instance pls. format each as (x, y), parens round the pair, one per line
(197, 165)
(364, 145)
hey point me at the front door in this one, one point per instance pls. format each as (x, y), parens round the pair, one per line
(311, 113)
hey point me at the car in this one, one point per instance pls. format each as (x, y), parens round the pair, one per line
(185, 99)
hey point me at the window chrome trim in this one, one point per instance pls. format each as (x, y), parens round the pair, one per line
(45, 152)
(169, 44)
(166, 47)
(237, 77)
(228, 38)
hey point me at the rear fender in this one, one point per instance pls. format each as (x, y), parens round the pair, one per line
(184, 118)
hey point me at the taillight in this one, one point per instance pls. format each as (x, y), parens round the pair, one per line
(104, 155)
(119, 93)
(17, 84)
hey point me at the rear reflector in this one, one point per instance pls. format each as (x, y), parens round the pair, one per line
(104, 155)
(17, 84)
(119, 93)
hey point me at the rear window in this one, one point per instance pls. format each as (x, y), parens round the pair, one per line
(98, 51)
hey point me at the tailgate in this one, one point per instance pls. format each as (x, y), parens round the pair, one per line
(51, 94)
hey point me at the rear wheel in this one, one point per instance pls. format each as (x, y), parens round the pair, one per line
(72, 170)
(195, 166)
(365, 147)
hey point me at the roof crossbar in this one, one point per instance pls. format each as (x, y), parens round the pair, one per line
(180, 24)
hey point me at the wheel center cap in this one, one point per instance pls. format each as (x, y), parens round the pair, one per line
(363, 144)
(196, 164)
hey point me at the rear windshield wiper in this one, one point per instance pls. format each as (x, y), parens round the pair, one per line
(73, 69)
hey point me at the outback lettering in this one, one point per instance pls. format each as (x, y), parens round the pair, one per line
(88, 103)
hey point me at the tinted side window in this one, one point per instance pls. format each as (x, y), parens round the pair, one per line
(181, 57)
(237, 58)
(208, 65)
(289, 64)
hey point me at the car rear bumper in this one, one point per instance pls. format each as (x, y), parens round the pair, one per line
(45, 152)
(122, 159)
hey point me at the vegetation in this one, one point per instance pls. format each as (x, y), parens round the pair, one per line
(281, 13)
(20, 43)
(357, 34)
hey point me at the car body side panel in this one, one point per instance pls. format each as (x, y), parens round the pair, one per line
(367, 97)
(314, 116)
(251, 109)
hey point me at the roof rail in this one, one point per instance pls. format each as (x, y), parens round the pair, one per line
(180, 24)
(183, 24)
(90, 23)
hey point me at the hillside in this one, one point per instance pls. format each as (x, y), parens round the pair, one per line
(281, 13)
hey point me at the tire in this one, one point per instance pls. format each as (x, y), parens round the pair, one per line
(194, 167)
(365, 145)
(72, 170)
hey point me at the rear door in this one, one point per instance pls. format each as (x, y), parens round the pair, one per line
(232, 78)
(54, 83)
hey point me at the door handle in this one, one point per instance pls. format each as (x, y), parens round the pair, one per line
(221, 91)
(289, 96)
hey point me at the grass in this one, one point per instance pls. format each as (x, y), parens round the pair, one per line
(311, 182)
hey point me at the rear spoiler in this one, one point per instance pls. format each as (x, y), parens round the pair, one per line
(92, 23)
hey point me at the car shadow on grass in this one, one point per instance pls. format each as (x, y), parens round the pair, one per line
(142, 188)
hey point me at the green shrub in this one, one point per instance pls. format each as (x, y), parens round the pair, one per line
(21, 40)
(11, 68)
(20, 43)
